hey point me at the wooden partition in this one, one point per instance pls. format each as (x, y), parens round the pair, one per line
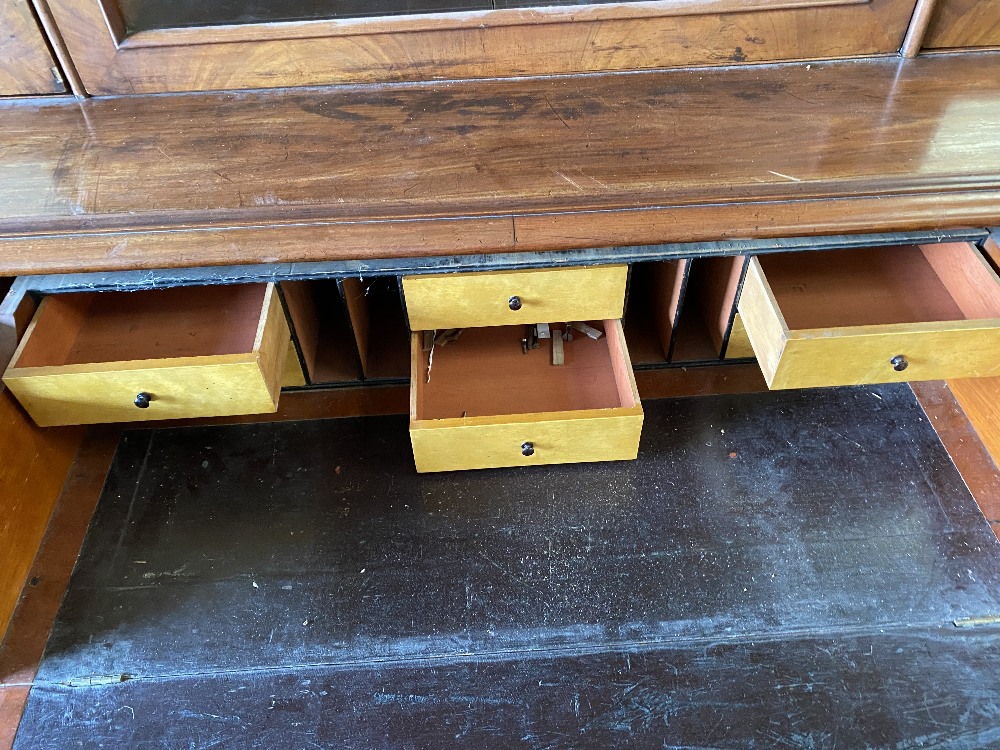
(34, 463)
(651, 314)
(375, 311)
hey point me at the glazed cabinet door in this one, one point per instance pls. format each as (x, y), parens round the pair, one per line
(145, 46)
(26, 65)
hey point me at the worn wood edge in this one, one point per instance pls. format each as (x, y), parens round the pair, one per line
(979, 398)
(14, 373)
(763, 320)
(894, 329)
(354, 241)
(266, 314)
(58, 45)
(53, 453)
(23, 642)
(56, 556)
(917, 29)
(504, 419)
(272, 343)
(961, 429)
(621, 361)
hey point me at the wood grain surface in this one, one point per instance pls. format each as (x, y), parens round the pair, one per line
(32, 471)
(60, 389)
(437, 301)
(502, 42)
(839, 318)
(964, 23)
(597, 161)
(26, 65)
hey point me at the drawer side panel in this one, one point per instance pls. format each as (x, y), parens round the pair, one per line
(762, 319)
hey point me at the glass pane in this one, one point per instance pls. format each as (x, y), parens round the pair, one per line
(143, 15)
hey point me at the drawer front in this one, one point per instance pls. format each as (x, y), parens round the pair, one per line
(557, 438)
(206, 385)
(862, 354)
(178, 391)
(861, 358)
(471, 300)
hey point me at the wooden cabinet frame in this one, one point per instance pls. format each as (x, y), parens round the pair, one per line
(26, 64)
(565, 39)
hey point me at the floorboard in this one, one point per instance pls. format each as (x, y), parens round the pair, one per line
(776, 570)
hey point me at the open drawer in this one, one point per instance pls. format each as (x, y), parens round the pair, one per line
(480, 402)
(504, 298)
(873, 315)
(158, 354)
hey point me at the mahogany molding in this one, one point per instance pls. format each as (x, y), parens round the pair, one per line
(487, 166)
(478, 44)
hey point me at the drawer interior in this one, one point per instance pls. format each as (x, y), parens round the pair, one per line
(882, 285)
(485, 373)
(92, 327)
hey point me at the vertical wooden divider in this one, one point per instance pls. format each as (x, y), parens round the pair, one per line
(34, 463)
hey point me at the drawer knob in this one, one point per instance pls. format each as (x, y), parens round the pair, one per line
(899, 363)
(514, 303)
(142, 400)
(527, 449)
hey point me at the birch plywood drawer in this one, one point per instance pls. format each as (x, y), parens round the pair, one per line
(158, 354)
(479, 402)
(503, 298)
(873, 315)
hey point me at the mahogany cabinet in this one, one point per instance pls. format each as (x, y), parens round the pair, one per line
(964, 23)
(144, 46)
(26, 64)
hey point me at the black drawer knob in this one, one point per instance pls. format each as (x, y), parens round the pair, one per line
(527, 449)
(142, 400)
(899, 363)
(514, 303)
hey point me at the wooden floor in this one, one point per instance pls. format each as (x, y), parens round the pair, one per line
(783, 568)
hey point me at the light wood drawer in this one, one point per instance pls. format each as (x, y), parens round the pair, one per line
(487, 404)
(739, 343)
(503, 298)
(194, 352)
(873, 315)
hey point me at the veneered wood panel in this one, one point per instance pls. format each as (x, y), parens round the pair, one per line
(980, 399)
(498, 166)
(26, 65)
(493, 43)
(964, 23)
(304, 319)
(460, 300)
(585, 410)
(76, 366)
(33, 466)
(841, 322)
(739, 345)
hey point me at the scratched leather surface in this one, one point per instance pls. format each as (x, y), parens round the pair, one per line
(775, 569)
